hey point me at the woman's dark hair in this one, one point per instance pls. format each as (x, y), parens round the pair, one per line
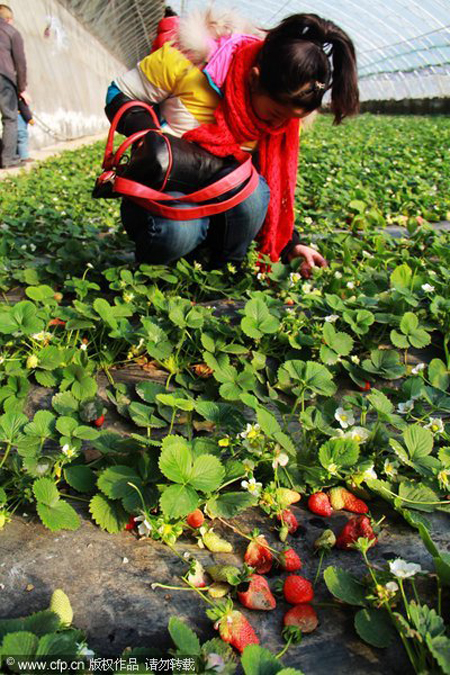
(305, 49)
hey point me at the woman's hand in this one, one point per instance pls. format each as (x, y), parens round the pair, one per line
(312, 258)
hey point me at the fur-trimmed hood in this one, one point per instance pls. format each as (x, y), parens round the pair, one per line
(200, 29)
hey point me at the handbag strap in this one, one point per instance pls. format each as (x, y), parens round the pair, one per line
(153, 200)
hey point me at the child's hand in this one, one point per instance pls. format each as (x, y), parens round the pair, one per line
(312, 258)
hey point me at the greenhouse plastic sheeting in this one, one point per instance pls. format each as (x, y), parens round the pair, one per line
(403, 46)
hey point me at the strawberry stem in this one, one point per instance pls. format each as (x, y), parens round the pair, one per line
(246, 536)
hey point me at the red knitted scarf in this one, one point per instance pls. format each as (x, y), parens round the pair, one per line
(237, 124)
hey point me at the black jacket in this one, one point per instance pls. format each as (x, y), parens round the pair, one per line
(13, 64)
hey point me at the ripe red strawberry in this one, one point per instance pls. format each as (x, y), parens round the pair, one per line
(258, 555)
(367, 386)
(288, 518)
(257, 594)
(302, 616)
(131, 524)
(341, 498)
(99, 421)
(358, 526)
(56, 322)
(297, 589)
(289, 560)
(319, 504)
(235, 629)
(195, 518)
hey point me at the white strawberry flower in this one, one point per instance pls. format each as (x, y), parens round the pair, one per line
(338, 275)
(392, 587)
(355, 359)
(435, 425)
(252, 486)
(333, 469)
(280, 459)
(294, 278)
(418, 368)
(390, 468)
(215, 662)
(83, 346)
(344, 417)
(427, 288)
(144, 527)
(43, 335)
(350, 284)
(405, 407)
(68, 450)
(402, 569)
(331, 318)
(248, 465)
(359, 434)
(307, 288)
(251, 432)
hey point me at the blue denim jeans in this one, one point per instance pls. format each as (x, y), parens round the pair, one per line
(22, 138)
(228, 235)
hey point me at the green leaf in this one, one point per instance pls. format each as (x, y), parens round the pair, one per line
(38, 623)
(258, 320)
(409, 323)
(149, 390)
(108, 515)
(184, 638)
(42, 622)
(343, 452)
(268, 422)
(178, 500)
(417, 496)
(58, 645)
(207, 473)
(86, 433)
(418, 440)
(113, 481)
(46, 379)
(42, 426)
(399, 340)
(175, 461)
(80, 477)
(86, 387)
(66, 425)
(440, 649)
(21, 644)
(105, 311)
(257, 660)
(438, 375)
(401, 277)
(374, 627)
(230, 504)
(50, 358)
(40, 293)
(344, 586)
(141, 414)
(46, 491)
(208, 342)
(380, 402)
(10, 425)
(62, 516)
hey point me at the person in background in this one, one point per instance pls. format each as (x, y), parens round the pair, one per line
(13, 82)
(167, 29)
(24, 119)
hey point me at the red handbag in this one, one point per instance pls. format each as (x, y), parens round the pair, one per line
(117, 177)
